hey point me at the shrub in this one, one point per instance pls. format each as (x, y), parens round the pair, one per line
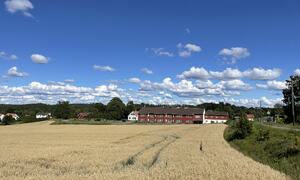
(263, 134)
(280, 147)
(239, 129)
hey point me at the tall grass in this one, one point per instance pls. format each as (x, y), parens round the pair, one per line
(277, 148)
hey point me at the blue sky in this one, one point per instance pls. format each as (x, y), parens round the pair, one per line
(193, 51)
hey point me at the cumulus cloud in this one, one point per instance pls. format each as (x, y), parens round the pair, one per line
(195, 73)
(229, 73)
(37, 92)
(234, 53)
(14, 72)
(186, 50)
(164, 92)
(190, 89)
(147, 71)
(273, 85)
(235, 84)
(162, 52)
(263, 74)
(103, 68)
(4, 55)
(23, 6)
(297, 72)
(134, 80)
(39, 59)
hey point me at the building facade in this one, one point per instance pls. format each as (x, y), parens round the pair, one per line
(215, 117)
(42, 115)
(180, 115)
(250, 117)
(133, 116)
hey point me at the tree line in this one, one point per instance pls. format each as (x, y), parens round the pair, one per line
(116, 109)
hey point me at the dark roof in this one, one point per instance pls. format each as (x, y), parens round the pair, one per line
(216, 113)
(43, 113)
(167, 110)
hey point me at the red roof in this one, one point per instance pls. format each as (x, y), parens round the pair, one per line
(250, 115)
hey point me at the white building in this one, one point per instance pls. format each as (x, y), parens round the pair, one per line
(215, 117)
(2, 117)
(133, 116)
(43, 115)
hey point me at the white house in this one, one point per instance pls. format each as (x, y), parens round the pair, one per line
(133, 116)
(2, 117)
(41, 115)
(215, 117)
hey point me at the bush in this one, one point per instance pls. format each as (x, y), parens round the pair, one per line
(281, 147)
(240, 130)
(263, 134)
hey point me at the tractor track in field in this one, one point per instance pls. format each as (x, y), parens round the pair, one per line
(147, 157)
(147, 133)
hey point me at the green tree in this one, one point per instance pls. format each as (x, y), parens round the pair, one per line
(241, 129)
(116, 109)
(63, 110)
(287, 94)
(100, 107)
(130, 107)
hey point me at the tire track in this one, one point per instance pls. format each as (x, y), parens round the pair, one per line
(150, 154)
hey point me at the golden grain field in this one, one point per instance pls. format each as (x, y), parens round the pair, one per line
(43, 151)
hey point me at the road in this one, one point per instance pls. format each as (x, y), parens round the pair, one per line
(281, 127)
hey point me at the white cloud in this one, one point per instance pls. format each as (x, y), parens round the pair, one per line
(193, 47)
(195, 73)
(23, 6)
(161, 93)
(262, 74)
(234, 53)
(297, 72)
(228, 73)
(162, 52)
(187, 50)
(264, 101)
(146, 71)
(14, 72)
(69, 80)
(4, 55)
(189, 89)
(39, 59)
(134, 80)
(103, 68)
(166, 95)
(273, 85)
(235, 84)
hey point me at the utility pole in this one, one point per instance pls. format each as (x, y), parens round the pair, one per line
(293, 103)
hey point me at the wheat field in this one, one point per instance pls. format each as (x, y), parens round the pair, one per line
(43, 151)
